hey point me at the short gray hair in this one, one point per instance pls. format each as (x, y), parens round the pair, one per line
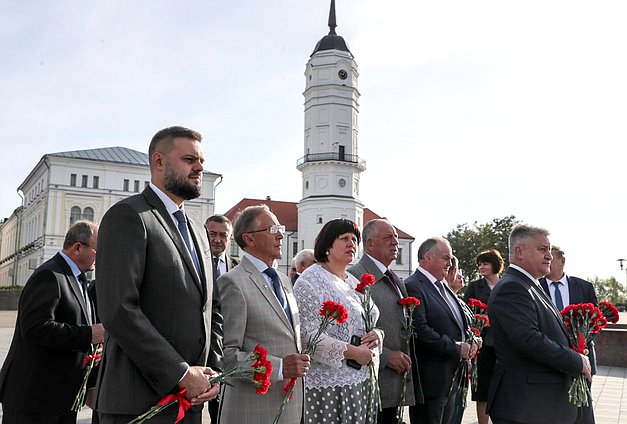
(370, 229)
(521, 233)
(429, 244)
(303, 256)
(245, 221)
(79, 232)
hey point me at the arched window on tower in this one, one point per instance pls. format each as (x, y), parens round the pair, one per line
(75, 214)
(88, 214)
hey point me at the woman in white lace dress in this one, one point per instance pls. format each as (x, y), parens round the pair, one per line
(334, 391)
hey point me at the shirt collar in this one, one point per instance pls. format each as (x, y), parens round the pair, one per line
(378, 263)
(516, 267)
(169, 204)
(258, 263)
(75, 270)
(427, 274)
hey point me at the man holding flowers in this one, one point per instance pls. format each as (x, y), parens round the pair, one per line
(259, 308)
(535, 362)
(441, 327)
(380, 241)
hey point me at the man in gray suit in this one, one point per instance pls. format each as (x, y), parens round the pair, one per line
(259, 307)
(154, 265)
(380, 249)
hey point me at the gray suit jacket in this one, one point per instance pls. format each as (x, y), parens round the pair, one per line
(154, 305)
(390, 321)
(253, 315)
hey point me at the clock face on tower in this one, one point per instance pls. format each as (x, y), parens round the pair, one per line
(342, 74)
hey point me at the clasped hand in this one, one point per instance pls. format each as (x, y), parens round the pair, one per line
(199, 388)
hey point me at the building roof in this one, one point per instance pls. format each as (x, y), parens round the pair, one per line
(332, 41)
(107, 154)
(287, 213)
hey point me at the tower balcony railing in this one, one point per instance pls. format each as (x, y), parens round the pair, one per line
(335, 156)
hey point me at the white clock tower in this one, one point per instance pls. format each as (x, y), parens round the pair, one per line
(330, 166)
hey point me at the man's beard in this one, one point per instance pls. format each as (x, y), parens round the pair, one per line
(180, 186)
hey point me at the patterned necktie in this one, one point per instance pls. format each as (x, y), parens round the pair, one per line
(278, 291)
(559, 302)
(182, 220)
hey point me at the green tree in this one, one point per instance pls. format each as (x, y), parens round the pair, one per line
(467, 241)
(609, 289)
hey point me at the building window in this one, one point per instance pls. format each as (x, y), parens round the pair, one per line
(295, 247)
(234, 250)
(136, 186)
(73, 180)
(399, 257)
(88, 214)
(146, 184)
(84, 181)
(96, 181)
(75, 214)
(126, 185)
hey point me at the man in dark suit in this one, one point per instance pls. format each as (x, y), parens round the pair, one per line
(535, 363)
(442, 325)
(54, 332)
(567, 290)
(303, 260)
(220, 232)
(380, 249)
(154, 290)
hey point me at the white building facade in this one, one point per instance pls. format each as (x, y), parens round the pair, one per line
(67, 186)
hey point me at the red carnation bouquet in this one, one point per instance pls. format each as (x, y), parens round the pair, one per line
(583, 321)
(258, 373)
(409, 304)
(478, 324)
(364, 288)
(330, 311)
(90, 361)
(609, 311)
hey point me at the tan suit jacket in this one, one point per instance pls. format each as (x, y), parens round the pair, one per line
(253, 315)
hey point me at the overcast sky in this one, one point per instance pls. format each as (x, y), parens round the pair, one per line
(469, 111)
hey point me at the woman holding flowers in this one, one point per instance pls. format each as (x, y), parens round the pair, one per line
(490, 264)
(336, 391)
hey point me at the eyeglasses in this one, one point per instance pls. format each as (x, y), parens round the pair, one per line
(85, 244)
(273, 230)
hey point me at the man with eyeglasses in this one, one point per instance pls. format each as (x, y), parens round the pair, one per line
(55, 330)
(259, 308)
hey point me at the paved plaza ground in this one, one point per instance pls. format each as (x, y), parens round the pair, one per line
(609, 388)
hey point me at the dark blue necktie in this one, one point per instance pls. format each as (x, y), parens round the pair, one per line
(278, 291)
(82, 279)
(559, 302)
(180, 217)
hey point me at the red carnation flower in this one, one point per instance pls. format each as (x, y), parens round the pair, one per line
(609, 311)
(334, 310)
(409, 302)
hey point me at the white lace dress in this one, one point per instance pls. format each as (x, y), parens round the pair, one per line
(334, 392)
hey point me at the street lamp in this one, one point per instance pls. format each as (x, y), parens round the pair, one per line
(620, 261)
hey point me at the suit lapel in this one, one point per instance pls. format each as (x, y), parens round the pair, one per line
(74, 285)
(267, 291)
(438, 297)
(542, 296)
(372, 268)
(164, 218)
(575, 292)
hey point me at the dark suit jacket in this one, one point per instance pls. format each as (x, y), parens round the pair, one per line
(390, 321)
(216, 353)
(154, 305)
(534, 363)
(44, 367)
(480, 290)
(580, 291)
(437, 332)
